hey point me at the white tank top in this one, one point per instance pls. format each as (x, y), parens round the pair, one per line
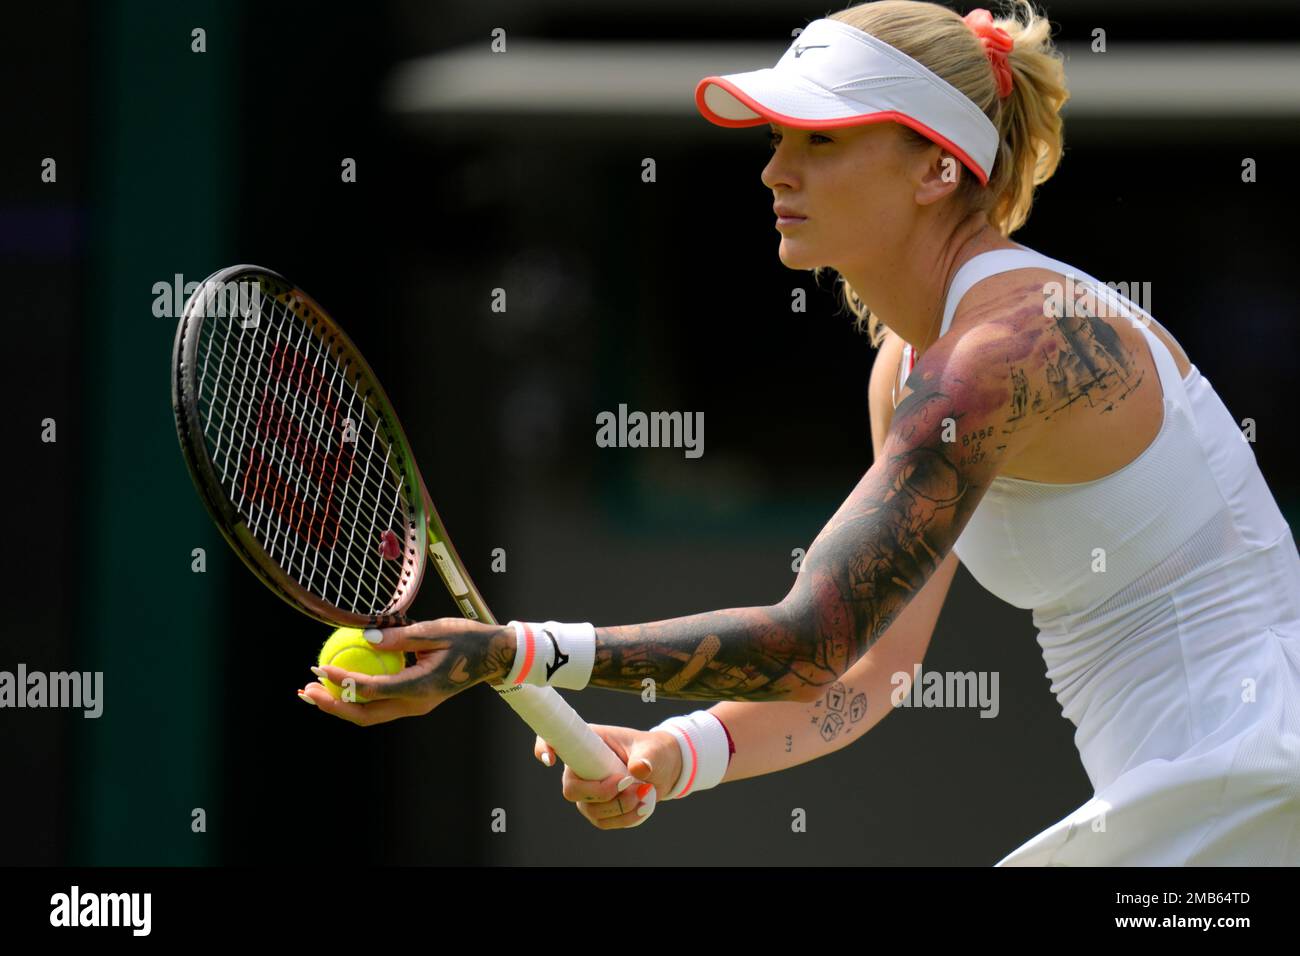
(1198, 562)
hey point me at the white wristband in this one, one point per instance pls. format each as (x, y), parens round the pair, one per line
(553, 654)
(705, 752)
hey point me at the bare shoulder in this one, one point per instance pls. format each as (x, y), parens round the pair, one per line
(1082, 380)
(963, 397)
(960, 395)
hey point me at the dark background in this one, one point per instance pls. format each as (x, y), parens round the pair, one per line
(664, 295)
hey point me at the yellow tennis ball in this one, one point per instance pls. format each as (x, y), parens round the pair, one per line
(348, 648)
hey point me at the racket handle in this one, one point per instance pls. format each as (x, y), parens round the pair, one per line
(552, 719)
(541, 708)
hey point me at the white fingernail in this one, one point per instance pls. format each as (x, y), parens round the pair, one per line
(644, 810)
(373, 635)
(626, 782)
(546, 758)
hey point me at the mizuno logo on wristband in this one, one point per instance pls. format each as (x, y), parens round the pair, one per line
(560, 659)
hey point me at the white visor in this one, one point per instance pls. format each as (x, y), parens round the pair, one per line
(836, 75)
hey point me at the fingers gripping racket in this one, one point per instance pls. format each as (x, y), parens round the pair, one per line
(304, 467)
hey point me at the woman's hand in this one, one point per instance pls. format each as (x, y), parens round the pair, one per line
(654, 762)
(451, 655)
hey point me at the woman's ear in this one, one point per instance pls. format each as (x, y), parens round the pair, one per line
(940, 176)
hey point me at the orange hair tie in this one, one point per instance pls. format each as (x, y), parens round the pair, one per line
(997, 45)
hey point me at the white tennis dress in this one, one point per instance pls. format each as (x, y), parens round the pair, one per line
(1179, 664)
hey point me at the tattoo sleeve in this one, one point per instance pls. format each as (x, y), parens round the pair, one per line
(945, 443)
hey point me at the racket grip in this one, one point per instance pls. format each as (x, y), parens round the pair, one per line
(552, 719)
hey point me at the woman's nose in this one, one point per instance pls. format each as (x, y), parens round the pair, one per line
(775, 173)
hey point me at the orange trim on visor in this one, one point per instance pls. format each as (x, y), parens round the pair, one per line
(862, 119)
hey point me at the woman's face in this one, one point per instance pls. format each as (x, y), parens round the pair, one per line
(852, 185)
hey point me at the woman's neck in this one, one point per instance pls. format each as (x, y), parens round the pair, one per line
(908, 293)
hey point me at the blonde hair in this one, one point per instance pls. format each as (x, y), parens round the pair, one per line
(1028, 120)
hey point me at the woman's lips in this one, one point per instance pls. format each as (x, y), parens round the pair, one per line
(786, 216)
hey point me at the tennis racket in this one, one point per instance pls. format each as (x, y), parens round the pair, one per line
(300, 460)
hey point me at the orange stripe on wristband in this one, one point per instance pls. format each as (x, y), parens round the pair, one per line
(695, 764)
(530, 651)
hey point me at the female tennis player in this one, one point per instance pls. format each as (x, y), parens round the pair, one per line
(1026, 420)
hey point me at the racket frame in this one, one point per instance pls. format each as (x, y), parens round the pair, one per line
(189, 429)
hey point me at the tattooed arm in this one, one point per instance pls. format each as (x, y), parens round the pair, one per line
(946, 443)
(771, 736)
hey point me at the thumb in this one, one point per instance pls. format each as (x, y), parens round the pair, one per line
(640, 766)
(648, 755)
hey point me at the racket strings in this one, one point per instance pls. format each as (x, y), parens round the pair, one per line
(248, 414)
(268, 522)
(274, 534)
(273, 402)
(274, 365)
(368, 492)
(359, 493)
(382, 593)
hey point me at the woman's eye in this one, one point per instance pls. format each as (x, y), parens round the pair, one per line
(775, 139)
